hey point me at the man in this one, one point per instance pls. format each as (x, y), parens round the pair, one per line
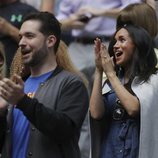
(46, 122)
(11, 14)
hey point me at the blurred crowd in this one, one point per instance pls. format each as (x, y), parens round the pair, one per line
(82, 21)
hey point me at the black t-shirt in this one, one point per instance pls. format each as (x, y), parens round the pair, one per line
(14, 14)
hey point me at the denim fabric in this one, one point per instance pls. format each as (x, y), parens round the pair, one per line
(121, 139)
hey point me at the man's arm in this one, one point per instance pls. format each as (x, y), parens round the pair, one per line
(72, 22)
(62, 123)
(59, 124)
(8, 29)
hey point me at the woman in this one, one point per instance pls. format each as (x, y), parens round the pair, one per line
(129, 66)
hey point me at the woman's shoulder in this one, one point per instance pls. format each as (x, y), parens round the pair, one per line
(153, 79)
(146, 90)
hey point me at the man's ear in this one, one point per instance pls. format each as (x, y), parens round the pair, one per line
(51, 40)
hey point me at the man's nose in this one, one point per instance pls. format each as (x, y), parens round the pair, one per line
(22, 42)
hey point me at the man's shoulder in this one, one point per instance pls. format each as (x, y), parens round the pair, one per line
(69, 75)
(61, 76)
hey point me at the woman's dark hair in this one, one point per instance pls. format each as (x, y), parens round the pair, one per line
(144, 59)
(49, 25)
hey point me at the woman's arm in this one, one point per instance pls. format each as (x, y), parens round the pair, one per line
(97, 108)
(128, 101)
(48, 5)
(96, 101)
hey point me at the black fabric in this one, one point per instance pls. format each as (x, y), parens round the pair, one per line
(56, 114)
(13, 13)
(156, 41)
(90, 40)
(3, 127)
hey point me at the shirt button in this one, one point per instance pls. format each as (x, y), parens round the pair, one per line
(41, 84)
(33, 129)
(30, 154)
(120, 151)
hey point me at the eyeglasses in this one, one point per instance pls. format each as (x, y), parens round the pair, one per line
(119, 111)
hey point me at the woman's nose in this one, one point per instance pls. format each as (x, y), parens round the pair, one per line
(116, 45)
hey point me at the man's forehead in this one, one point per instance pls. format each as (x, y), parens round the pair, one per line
(30, 25)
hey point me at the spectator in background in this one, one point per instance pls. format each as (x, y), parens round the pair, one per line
(2, 74)
(44, 5)
(49, 110)
(35, 3)
(134, 14)
(151, 3)
(2, 62)
(48, 5)
(11, 14)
